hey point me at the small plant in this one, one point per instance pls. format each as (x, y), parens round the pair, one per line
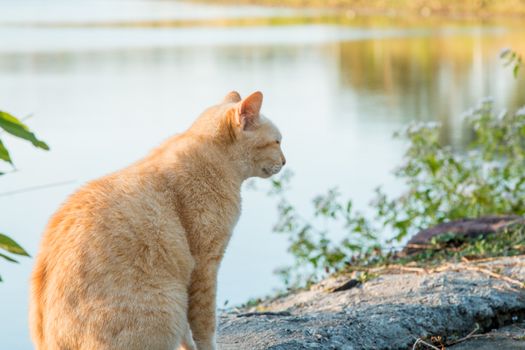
(442, 183)
(15, 127)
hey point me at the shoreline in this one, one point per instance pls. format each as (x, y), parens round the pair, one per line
(423, 9)
(443, 290)
(467, 305)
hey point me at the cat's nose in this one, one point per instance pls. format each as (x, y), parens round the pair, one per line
(284, 161)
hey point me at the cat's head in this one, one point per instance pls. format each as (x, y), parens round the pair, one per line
(254, 138)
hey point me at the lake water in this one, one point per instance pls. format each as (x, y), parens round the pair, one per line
(106, 81)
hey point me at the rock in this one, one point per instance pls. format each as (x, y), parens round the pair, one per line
(389, 312)
(347, 285)
(462, 228)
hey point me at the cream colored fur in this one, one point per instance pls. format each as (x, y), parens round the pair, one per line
(130, 261)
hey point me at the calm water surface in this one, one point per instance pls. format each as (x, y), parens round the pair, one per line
(103, 94)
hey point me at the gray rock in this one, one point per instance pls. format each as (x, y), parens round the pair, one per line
(510, 338)
(389, 312)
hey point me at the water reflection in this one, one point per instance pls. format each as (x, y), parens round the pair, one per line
(429, 78)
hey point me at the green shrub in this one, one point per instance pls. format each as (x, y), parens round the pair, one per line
(442, 183)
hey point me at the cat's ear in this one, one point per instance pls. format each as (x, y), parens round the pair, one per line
(248, 110)
(232, 96)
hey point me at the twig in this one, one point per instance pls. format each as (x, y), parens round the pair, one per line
(419, 340)
(476, 261)
(465, 266)
(412, 269)
(456, 267)
(494, 274)
(421, 246)
(265, 313)
(401, 268)
(35, 188)
(468, 336)
(496, 335)
(445, 267)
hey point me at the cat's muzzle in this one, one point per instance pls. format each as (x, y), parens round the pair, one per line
(272, 170)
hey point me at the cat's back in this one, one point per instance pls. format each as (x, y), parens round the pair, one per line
(106, 213)
(108, 240)
(80, 216)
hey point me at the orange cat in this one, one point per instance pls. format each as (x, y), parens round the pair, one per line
(130, 260)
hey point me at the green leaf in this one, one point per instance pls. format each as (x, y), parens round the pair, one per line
(8, 258)
(516, 70)
(11, 246)
(4, 154)
(16, 128)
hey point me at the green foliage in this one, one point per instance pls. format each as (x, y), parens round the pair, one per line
(311, 246)
(11, 246)
(446, 184)
(441, 184)
(507, 243)
(451, 247)
(15, 127)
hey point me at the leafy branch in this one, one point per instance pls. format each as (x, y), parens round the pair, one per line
(16, 128)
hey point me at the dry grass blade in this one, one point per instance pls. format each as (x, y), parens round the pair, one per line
(400, 268)
(468, 336)
(466, 266)
(494, 258)
(421, 341)
(495, 275)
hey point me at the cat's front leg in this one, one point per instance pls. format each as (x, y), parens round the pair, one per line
(187, 341)
(201, 312)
